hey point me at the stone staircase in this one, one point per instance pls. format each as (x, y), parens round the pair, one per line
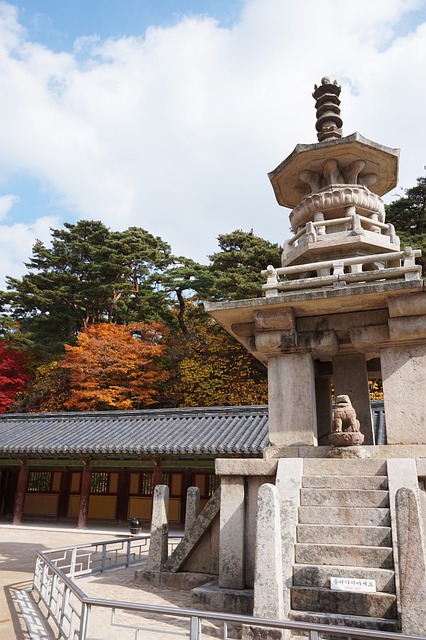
(344, 532)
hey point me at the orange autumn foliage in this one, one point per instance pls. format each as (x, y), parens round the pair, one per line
(115, 367)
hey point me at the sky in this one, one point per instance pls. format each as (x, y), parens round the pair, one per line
(168, 114)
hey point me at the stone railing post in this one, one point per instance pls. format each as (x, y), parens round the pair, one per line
(192, 507)
(158, 546)
(412, 564)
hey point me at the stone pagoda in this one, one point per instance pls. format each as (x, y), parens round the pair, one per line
(328, 526)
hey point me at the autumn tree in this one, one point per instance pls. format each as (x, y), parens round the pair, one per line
(235, 269)
(213, 369)
(88, 275)
(13, 374)
(115, 367)
(46, 391)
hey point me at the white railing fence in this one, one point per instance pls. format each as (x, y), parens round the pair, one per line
(71, 611)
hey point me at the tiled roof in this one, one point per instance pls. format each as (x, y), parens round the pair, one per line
(193, 431)
(213, 430)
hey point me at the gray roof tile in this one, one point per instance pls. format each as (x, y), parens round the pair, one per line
(213, 430)
(192, 431)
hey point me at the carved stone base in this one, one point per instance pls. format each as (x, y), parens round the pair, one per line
(346, 438)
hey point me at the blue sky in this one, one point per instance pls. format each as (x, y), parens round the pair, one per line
(58, 23)
(168, 114)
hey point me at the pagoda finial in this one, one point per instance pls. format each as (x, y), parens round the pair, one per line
(329, 123)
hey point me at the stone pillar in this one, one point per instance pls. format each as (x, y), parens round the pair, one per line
(253, 484)
(323, 398)
(158, 546)
(268, 584)
(232, 535)
(350, 378)
(292, 405)
(192, 507)
(404, 384)
(289, 484)
(21, 490)
(84, 498)
(412, 563)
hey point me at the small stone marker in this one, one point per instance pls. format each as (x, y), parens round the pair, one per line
(356, 585)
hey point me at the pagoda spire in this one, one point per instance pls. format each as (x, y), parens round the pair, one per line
(329, 123)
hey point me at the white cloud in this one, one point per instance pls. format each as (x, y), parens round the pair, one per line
(17, 240)
(175, 131)
(6, 203)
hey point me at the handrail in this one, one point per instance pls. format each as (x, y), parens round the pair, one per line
(62, 611)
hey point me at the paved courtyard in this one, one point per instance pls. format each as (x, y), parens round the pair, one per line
(19, 617)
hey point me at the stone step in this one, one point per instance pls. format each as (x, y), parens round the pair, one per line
(325, 554)
(305, 575)
(345, 482)
(357, 516)
(344, 498)
(353, 622)
(339, 534)
(375, 605)
(335, 467)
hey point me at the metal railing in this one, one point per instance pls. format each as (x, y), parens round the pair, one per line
(72, 611)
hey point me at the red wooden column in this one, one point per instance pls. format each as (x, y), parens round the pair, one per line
(157, 478)
(84, 498)
(123, 496)
(21, 490)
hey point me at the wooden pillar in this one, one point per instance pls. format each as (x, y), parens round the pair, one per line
(157, 478)
(64, 492)
(10, 486)
(21, 490)
(123, 496)
(84, 498)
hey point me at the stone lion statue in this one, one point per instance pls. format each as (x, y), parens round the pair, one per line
(344, 416)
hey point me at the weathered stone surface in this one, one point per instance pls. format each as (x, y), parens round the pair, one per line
(253, 485)
(377, 605)
(306, 575)
(357, 516)
(239, 467)
(346, 482)
(288, 483)
(285, 178)
(351, 379)
(192, 506)
(178, 581)
(194, 534)
(367, 339)
(335, 534)
(412, 562)
(344, 498)
(158, 548)
(326, 467)
(353, 621)
(211, 597)
(232, 533)
(274, 319)
(344, 555)
(291, 423)
(411, 328)
(346, 439)
(403, 370)
(407, 305)
(268, 583)
(349, 451)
